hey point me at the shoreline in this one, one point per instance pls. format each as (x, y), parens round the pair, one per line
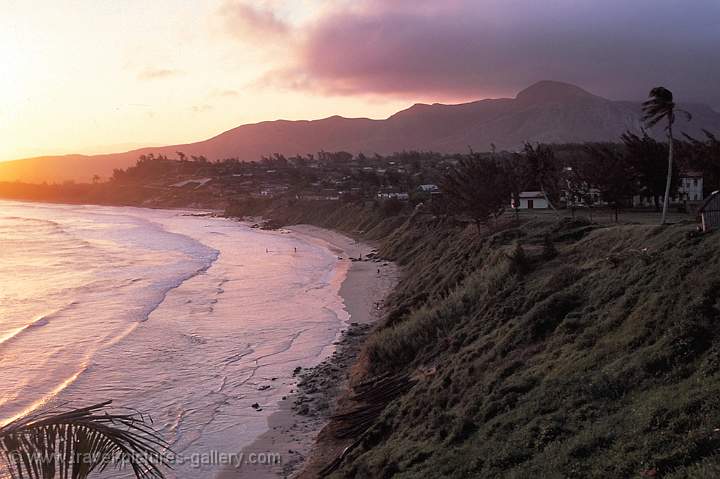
(294, 427)
(295, 421)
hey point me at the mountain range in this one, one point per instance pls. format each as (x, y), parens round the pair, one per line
(548, 111)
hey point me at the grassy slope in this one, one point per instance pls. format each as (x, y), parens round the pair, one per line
(600, 362)
(599, 359)
(369, 222)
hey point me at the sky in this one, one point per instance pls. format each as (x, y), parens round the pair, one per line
(93, 76)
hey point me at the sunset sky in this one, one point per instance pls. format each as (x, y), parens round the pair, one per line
(90, 76)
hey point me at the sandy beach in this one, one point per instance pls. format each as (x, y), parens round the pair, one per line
(293, 428)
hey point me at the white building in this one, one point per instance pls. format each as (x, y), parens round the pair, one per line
(429, 188)
(689, 189)
(393, 195)
(532, 200)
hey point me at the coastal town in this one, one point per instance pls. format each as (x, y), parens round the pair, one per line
(624, 181)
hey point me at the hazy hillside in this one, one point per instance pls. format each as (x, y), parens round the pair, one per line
(546, 112)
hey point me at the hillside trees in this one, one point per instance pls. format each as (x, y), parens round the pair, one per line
(544, 171)
(647, 158)
(577, 183)
(518, 176)
(704, 156)
(607, 170)
(477, 187)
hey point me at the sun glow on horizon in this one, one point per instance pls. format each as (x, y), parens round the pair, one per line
(114, 77)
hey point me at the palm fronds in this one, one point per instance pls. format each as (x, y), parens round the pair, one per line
(74, 443)
(373, 395)
(661, 106)
(658, 106)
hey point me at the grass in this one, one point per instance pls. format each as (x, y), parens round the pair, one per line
(598, 360)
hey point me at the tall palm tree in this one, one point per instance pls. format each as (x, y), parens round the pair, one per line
(658, 107)
(74, 443)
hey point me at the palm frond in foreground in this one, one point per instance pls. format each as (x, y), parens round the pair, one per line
(74, 443)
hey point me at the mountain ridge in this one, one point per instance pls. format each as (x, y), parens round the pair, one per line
(547, 111)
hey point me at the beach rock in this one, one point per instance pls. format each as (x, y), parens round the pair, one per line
(255, 406)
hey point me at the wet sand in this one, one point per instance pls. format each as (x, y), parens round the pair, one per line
(282, 450)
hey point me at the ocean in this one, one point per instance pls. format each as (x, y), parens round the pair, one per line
(188, 318)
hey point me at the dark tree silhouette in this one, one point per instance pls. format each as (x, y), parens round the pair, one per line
(609, 172)
(74, 443)
(544, 171)
(704, 155)
(576, 183)
(660, 106)
(518, 175)
(647, 157)
(477, 187)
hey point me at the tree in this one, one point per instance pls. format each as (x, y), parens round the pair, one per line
(576, 183)
(544, 171)
(704, 155)
(646, 156)
(77, 442)
(477, 186)
(118, 174)
(96, 179)
(609, 172)
(660, 106)
(518, 177)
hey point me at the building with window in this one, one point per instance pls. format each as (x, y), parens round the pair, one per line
(689, 190)
(532, 200)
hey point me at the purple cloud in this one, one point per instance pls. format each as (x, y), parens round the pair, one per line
(463, 49)
(252, 22)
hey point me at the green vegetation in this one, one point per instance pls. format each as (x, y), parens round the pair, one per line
(600, 360)
(477, 186)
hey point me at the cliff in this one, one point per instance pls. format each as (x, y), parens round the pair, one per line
(541, 349)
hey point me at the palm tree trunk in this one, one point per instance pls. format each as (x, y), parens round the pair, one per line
(547, 200)
(666, 199)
